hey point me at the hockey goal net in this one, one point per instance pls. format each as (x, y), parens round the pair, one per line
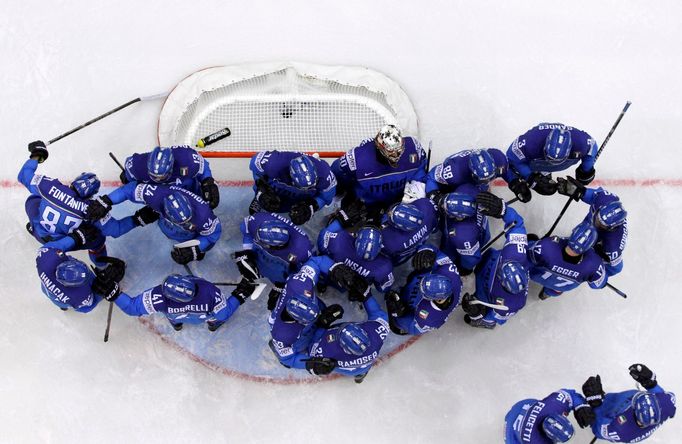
(286, 106)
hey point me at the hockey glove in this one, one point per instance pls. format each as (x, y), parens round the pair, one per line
(145, 216)
(542, 184)
(124, 177)
(254, 207)
(210, 192)
(83, 235)
(185, 255)
(98, 207)
(351, 215)
(570, 187)
(395, 305)
(115, 269)
(246, 263)
(266, 197)
(274, 295)
(38, 151)
(424, 260)
(584, 177)
(243, 291)
(472, 309)
(592, 389)
(490, 205)
(109, 289)
(301, 212)
(642, 374)
(584, 415)
(320, 366)
(330, 314)
(520, 188)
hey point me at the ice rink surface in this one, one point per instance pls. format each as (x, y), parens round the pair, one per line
(479, 74)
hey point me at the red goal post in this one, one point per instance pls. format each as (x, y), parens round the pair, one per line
(287, 106)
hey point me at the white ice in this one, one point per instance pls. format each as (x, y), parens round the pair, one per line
(479, 73)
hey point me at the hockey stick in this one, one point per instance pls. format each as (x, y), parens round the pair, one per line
(486, 304)
(260, 287)
(108, 113)
(618, 292)
(593, 440)
(492, 241)
(603, 145)
(106, 332)
(428, 158)
(116, 160)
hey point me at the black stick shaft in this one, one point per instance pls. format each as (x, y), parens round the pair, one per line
(226, 284)
(556, 222)
(106, 332)
(593, 440)
(116, 160)
(618, 292)
(509, 202)
(188, 270)
(492, 241)
(90, 122)
(428, 158)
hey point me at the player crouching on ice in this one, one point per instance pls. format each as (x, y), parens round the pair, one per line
(177, 165)
(502, 275)
(186, 300)
(70, 284)
(431, 294)
(185, 217)
(291, 182)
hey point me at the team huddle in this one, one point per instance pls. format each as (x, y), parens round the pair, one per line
(389, 209)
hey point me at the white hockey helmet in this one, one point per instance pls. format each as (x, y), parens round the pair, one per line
(389, 142)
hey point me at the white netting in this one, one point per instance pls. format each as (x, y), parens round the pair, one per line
(284, 106)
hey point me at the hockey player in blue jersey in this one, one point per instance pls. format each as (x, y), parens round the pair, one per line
(184, 216)
(187, 300)
(545, 421)
(432, 292)
(465, 230)
(406, 226)
(298, 313)
(376, 171)
(178, 165)
(502, 275)
(609, 218)
(70, 284)
(547, 148)
(273, 247)
(56, 211)
(560, 264)
(291, 182)
(475, 167)
(632, 415)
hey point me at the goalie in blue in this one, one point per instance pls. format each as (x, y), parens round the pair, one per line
(547, 148)
(291, 182)
(178, 165)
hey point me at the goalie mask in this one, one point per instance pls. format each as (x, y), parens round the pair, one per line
(389, 142)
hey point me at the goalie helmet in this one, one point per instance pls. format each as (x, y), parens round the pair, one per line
(302, 172)
(558, 145)
(86, 185)
(482, 166)
(435, 287)
(647, 410)
(303, 308)
(72, 273)
(177, 210)
(368, 243)
(557, 428)
(459, 205)
(610, 215)
(513, 277)
(160, 164)
(273, 233)
(389, 142)
(583, 237)
(405, 217)
(178, 288)
(353, 339)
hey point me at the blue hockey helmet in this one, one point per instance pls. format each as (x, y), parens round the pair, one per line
(177, 210)
(406, 217)
(353, 339)
(647, 410)
(513, 277)
(435, 287)
(610, 215)
(303, 173)
(368, 243)
(303, 308)
(582, 238)
(178, 288)
(86, 185)
(160, 163)
(558, 145)
(482, 166)
(558, 428)
(72, 273)
(459, 205)
(389, 142)
(273, 233)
